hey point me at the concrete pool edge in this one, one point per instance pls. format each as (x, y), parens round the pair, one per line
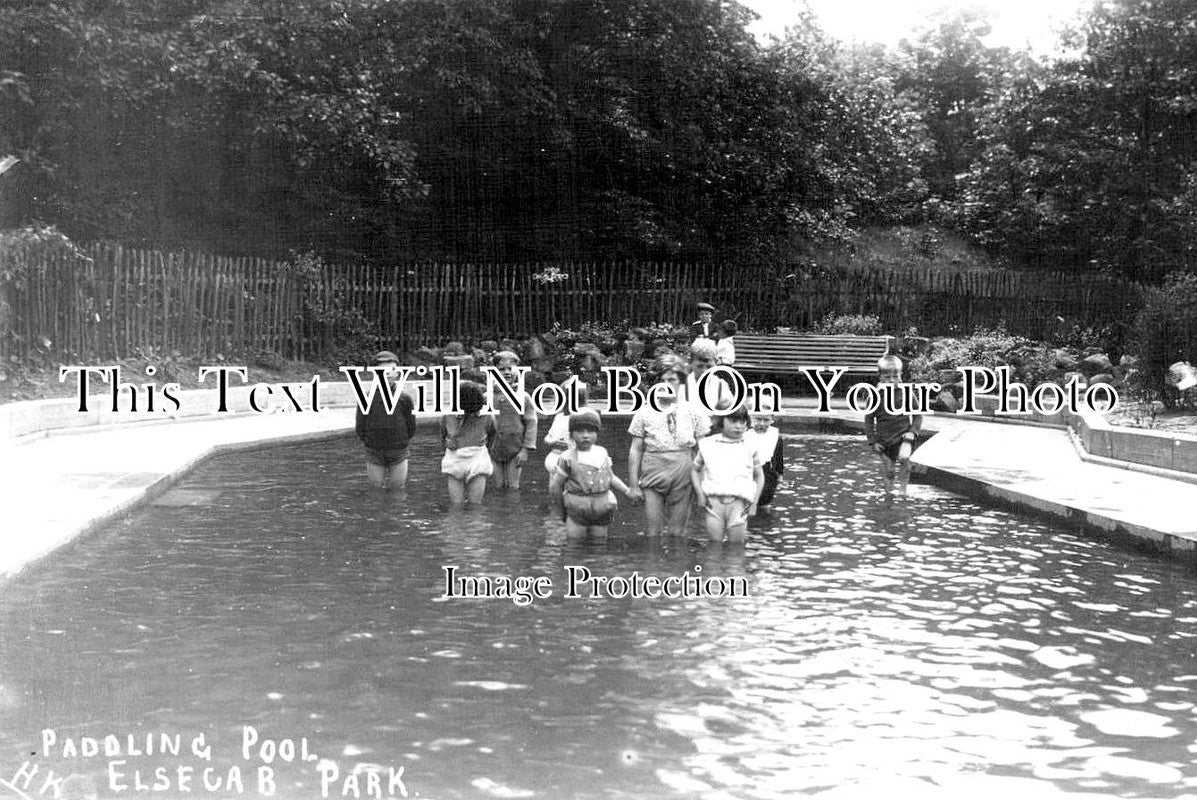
(257, 431)
(151, 491)
(105, 506)
(1177, 544)
(1116, 531)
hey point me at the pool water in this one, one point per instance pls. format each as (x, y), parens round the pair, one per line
(936, 646)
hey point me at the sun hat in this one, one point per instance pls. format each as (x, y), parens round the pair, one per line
(585, 418)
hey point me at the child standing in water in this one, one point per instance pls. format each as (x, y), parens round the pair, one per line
(766, 445)
(728, 479)
(662, 453)
(584, 478)
(703, 354)
(892, 435)
(515, 428)
(467, 438)
(386, 435)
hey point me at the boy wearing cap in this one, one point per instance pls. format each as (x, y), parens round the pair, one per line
(584, 478)
(892, 435)
(386, 435)
(705, 326)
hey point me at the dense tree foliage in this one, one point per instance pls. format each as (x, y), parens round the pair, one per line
(429, 128)
(550, 129)
(948, 74)
(1090, 162)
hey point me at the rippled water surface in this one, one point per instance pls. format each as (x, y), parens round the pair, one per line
(934, 649)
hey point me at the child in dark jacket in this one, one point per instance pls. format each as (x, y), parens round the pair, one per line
(892, 435)
(766, 443)
(386, 435)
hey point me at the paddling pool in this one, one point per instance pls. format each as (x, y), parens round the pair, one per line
(935, 648)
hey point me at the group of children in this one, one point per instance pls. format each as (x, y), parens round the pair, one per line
(728, 461)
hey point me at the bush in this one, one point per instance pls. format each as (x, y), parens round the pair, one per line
(855, 324)
(1108, 338)
(1165, 331)
(29, 252)
(573, 349)
(1030, 362)
(342, 331)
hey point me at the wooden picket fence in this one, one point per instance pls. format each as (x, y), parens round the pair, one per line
(119, 302)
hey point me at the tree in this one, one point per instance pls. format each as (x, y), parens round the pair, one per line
(948, 74)
(1090, 163)
(860, 146)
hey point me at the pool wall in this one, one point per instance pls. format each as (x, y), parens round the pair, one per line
(1173, 455)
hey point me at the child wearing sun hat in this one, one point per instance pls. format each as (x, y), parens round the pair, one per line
(584, 478)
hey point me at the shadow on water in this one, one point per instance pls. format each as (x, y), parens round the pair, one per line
(933, 643)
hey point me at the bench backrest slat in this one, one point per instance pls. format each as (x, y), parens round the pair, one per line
(789, 352)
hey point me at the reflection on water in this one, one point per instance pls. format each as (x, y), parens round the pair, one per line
(939, 647)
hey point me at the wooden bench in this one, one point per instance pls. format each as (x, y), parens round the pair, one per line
(789, 353)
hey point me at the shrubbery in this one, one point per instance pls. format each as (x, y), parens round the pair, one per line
(346, 333)
(855, 324)
(582, 351)
(1030, 362)
(1165, 331)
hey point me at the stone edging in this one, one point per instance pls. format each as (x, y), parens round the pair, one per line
(1126, 533)
(1165, 455)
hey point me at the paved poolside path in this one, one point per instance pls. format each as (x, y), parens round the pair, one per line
(57, 487)
(1039, 469)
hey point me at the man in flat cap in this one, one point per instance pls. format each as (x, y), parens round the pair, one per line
(705, 326)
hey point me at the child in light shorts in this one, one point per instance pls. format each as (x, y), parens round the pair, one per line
(467, 438)
(584, 478)
(727, 479)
